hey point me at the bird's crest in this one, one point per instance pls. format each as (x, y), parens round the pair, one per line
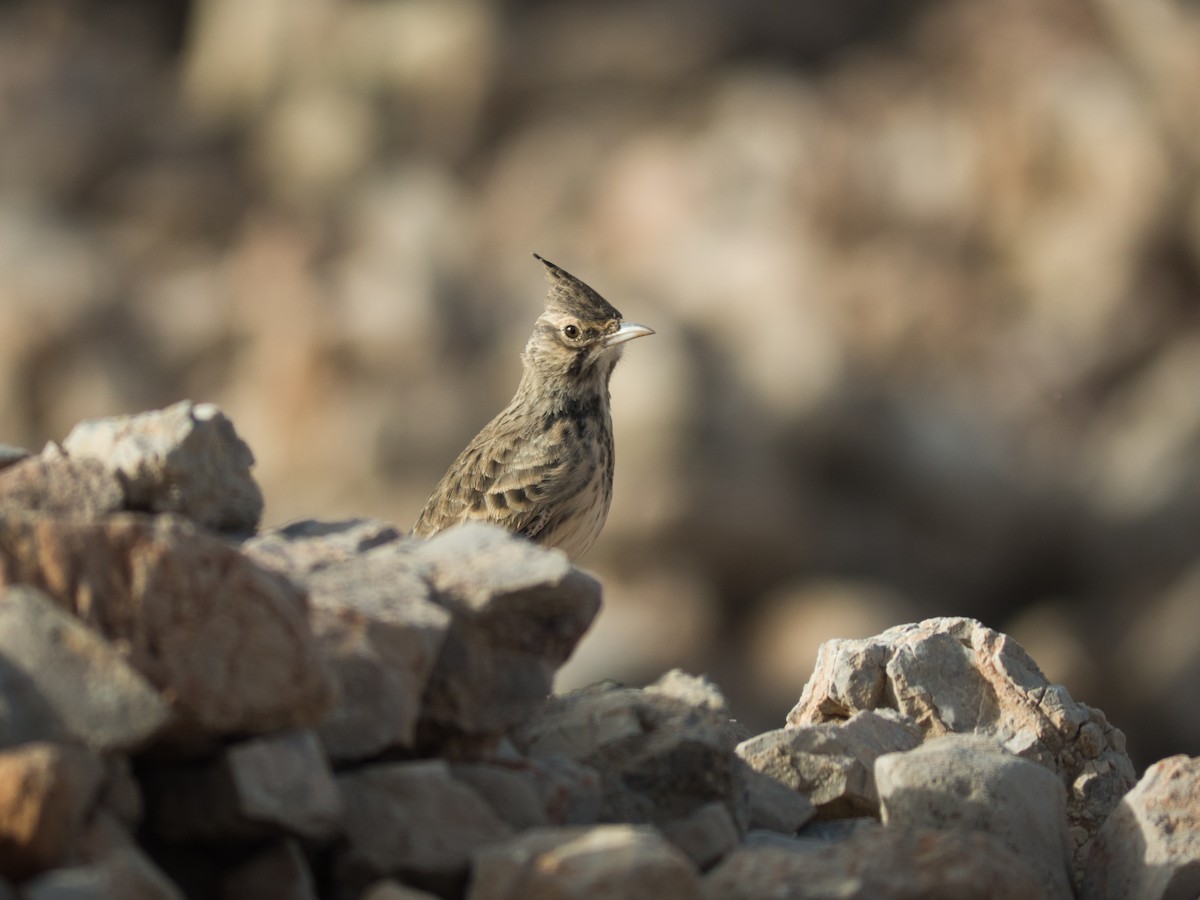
(570, 295)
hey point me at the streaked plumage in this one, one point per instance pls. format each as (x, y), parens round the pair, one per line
(543, 468)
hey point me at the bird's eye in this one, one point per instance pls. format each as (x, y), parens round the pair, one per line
(571, 331)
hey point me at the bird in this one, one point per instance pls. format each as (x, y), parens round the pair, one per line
(543, 467)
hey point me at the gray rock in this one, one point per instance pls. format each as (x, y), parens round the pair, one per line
(61, 681)
(11, 455)
(267, 786)
(184, 459)
(529, 793)
(121, 795)
(226, 642)
(54, 484)
(442, 645)
(571, 793)
(46, 791)
(659, 758)
(379, 632)
(394, 890)
(876, 864)
(412, 820)
(773, 805)
(705, 836)
(832, 764)
(301, 548)
(970, 783)
(953, 675)
(279, 872)
(607, 862)
(509, 791)
(1149, 849)
(126, 874)
(518, 612)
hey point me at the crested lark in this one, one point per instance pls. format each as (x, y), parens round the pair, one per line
(543, 468)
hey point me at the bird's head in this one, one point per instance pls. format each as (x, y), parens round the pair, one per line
(580, 335)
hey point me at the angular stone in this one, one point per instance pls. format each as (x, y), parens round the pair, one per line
(970, 783)
(441, 644)
(1149, 849)
(510, 792)
(607, 862)
(301, 548)
(659, 758)
(519, 610)
(45, 792)
(56, 485)
(773, 805)
(226, 642)
(379, 632)
(184, 459)
(126, 874)
(278, 873)
(832, 764)
(11, 455)
(531, 793)
(706, 836)
(394, 890)
(953, 675)
(61, 681)
(281, 783)
(874, 864)
(412, 820)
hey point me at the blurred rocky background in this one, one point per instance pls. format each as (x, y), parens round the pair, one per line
(925, 277)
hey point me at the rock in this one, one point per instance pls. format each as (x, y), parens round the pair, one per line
(278, 873)
(510, 792)
(877, 864)
(607, 862)
(518, 612)
(706, 836)
(56, 485)
(380, 632)
(1149, 849)
(442, 644)
(953, 675)
(301, 548)
(46, 791)
(530, 793)
(121, 795)
(774, 805)
(832, 764)
(394, 890)
(61, 681)
(415, 821)
(184, 459)
(226, 642)
(11, 455)
(277, 784)
(126, 874)
(970, 783)
(659, 757)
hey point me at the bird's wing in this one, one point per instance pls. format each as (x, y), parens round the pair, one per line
(518, 478)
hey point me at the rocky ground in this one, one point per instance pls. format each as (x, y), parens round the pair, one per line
(924, 278)
(191, 707)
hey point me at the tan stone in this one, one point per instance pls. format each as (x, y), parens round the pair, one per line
(606, 862)
(45, 792)
(953, 675)
(1149, 849)
(226, 642)
(62, 681)
(877, 864)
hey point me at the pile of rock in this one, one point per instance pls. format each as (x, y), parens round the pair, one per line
(332, 709)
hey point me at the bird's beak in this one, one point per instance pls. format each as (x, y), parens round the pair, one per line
(627, 332)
